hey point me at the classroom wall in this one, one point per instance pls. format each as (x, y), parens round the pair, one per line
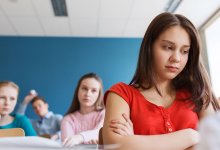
(53, 65)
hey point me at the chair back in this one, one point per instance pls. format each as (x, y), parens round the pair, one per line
(100, 137)
(12, 132)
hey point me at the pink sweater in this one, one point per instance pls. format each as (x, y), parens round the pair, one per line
(87, 125)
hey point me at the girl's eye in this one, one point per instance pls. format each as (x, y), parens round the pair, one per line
(185, 51)
(83, 88)
(167, 47)
(2, 98)
(12, 98)
(94, 91)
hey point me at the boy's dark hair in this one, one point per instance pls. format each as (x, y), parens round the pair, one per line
(38, 98)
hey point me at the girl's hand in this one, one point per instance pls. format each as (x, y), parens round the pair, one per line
(190, 148)
(54, 137)
(93, 141)
(74, 140)
(121, 127)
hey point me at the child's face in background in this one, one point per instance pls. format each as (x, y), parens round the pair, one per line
(40, 107)
(8, 99)
(88, 92)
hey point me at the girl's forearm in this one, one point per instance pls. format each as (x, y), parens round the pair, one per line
(178, 140)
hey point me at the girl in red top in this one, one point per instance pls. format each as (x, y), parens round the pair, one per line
(169, 93)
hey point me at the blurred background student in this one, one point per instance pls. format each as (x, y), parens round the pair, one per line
(48, 124)
(86, 114)
(8, 99)
(209, 130)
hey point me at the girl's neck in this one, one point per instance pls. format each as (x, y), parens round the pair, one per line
(86, 110)
(165, 88)
(6, 119)
(164, 96)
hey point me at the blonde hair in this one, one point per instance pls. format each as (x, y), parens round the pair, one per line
(9, 83)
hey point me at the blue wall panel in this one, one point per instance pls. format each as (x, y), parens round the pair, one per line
(53, 66)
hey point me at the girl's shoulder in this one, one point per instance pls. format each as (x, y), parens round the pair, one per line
(125, 91)
(122, 88)
(19, 117)
(100, 112)
(70, 115)
(21, 120)
(121, 85)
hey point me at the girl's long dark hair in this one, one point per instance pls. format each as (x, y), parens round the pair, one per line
(194, 76)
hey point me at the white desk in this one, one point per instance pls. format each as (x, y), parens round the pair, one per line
(38, 143)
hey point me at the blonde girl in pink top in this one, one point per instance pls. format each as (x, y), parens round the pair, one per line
(85, 116)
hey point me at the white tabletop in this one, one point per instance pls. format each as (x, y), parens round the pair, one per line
(36, 143)
(40, 143)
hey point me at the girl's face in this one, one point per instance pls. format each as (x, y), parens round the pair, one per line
(8, 99)
(170, 53)
(88, 92)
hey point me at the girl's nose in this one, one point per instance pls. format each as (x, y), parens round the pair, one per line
(7, 101)
(88, 92)
(175, 57)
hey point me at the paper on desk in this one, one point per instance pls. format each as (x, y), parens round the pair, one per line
(40, 143)
(28, 141)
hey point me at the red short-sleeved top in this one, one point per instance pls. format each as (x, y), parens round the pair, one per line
(150, 119)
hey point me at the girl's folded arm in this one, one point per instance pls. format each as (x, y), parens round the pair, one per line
(116, 106)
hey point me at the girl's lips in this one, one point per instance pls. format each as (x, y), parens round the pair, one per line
(172, 68)
(86, 99)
